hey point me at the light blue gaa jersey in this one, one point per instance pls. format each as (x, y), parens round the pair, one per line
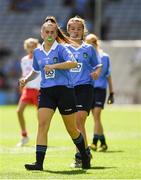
(57, 54)
(102, 81)
(87, 60)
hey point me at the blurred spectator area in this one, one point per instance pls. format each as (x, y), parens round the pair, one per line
(121, 19)
(20, 19)
(25, 5)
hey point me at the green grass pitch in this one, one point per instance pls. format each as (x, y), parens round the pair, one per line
(122, 127)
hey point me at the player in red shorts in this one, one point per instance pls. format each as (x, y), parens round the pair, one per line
(29, 94)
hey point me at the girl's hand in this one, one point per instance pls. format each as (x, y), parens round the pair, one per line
(94, 75)
(22, 82)
(48, 68)
(110, 98)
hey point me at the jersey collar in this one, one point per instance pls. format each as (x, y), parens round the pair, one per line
(53, 47)
(82, 45)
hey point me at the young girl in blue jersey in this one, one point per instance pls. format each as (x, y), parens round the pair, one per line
(100, 86)
(88, 68)
(54, 61)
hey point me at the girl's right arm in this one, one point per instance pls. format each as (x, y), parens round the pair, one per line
(31, 76)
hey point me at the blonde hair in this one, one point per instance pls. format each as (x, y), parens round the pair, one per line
(29, 41)
(61, 38)
(93, 40)
(82, 21)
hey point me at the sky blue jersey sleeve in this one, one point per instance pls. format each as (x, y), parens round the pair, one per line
(35, 63)
(95, 59)
(65, 54)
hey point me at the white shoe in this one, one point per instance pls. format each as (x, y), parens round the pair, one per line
(76, 164)
(23, 141)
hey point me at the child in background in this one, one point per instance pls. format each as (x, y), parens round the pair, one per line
(100, 87)
(29, 94)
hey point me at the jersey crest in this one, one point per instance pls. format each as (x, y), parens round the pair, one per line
(85, 55)
(55, 59)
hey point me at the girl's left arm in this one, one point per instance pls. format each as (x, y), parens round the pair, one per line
(62, 65)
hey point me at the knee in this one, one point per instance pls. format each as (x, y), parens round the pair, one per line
(96, 117)
(42, 124)
(81, 118)
(19, 111)
(81, 124)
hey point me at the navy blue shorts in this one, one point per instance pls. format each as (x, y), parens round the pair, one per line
(84, 97)
(58, 96)
(99, 97)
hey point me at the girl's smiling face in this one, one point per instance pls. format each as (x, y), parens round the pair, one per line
(75, 30)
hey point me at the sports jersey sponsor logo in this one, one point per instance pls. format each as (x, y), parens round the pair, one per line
(50, 74)
(77, 69)
(85, 55)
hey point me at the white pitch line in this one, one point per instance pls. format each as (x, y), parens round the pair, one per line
(29, 150)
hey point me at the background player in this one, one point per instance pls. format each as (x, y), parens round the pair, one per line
(100, 86)
(29, 94)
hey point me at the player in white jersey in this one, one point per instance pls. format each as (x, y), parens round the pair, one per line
(29, 94)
